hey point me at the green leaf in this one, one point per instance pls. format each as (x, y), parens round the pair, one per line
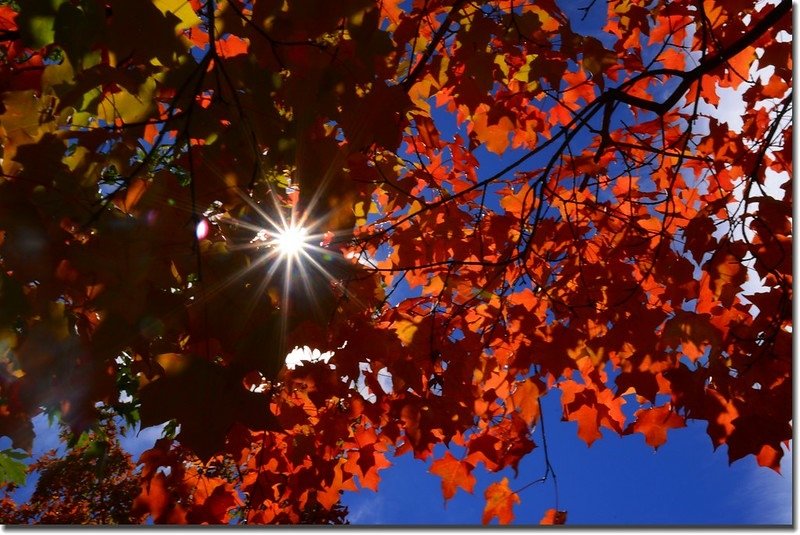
(12, 470)
(36, 21)
(96, 449)
(76, 29)
(181, 9)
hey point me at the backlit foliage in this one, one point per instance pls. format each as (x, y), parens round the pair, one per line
(500, 199)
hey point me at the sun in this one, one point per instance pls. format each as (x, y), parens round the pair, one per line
(290, 240)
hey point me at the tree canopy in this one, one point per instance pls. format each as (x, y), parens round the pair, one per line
(456, 207)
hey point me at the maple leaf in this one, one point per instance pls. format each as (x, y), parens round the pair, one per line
(215, 506)
(596, 59)
(494, 135)
(455, 473)
(502, 445)
(7, 19)
(526, 399)
(232, 46)
(591, 408)
(366, 463)
(500, 501)
(149, 147)
(726, 275)
(190, 383)
(654, 423)
(391, 10)
(156, 501)
(553, 517)
(760, 436)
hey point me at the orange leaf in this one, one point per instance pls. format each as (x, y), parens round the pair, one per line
(499, 503)
(328, 496)
(591, 408)
(365, 463)
(727, 274)
(516, 203)
(133, 194)
(654, 423)
(494, 135)
(232, 46)
(8, 19)
(454, 473)
(588, 428)
(553, 517)
(526, 399)
(391, 10)
(427, 131)
(216, 503)
(156, 501)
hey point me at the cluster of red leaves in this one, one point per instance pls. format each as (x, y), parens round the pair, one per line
(607, 260)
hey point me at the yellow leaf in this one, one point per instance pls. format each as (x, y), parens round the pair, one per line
(128, 107)
(360, 213)
(405, 330)
(181, 9)
(500, 61)
(173, 363)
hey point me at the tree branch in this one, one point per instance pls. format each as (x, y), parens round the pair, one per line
(437, 38)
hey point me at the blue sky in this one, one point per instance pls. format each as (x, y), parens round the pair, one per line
(618, 481)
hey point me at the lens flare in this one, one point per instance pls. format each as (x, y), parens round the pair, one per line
(202, 229)
(301, 268)
(290, 241)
